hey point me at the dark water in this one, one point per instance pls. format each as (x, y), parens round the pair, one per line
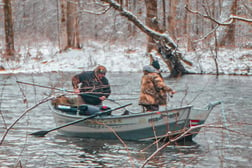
(213, 147)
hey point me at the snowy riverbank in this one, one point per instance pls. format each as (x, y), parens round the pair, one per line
(123, 59)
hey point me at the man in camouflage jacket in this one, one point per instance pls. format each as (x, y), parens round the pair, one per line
(153, 90)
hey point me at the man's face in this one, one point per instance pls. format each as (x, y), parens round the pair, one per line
(100, 75)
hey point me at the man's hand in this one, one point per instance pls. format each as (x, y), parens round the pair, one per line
(76, 91)
(171, 93)
(102, 98)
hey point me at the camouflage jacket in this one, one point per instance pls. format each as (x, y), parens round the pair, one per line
(153, 90)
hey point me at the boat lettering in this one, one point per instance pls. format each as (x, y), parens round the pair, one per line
(100, 126)
(115, 121)
(141, 121)
(173, 115)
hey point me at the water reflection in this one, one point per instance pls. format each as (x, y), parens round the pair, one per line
(113, 153)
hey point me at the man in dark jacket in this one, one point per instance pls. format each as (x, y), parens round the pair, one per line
(94, 86)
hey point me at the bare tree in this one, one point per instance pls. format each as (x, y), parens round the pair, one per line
(172, 18)
(63, 25)
(73, 24)
(69, 25)
(228, 38)
(151, 21)
(131, 6)
(164, 13)
(9, 33)
(226, 22)
(187, 28)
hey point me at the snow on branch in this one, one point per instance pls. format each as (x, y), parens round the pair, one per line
(232, 17)
(229, 21)
(101, 9)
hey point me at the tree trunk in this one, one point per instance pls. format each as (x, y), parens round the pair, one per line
(188, 29)
(173, 60)
(63, 25)
(151, 21)
(172, 18)
(73, 40)
(164, 15)
(228, 39)
(9, 33)
(131, 6)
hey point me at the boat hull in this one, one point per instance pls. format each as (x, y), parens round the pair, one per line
(140, 127)
(198, 117)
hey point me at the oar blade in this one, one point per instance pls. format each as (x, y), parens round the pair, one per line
(39, 133)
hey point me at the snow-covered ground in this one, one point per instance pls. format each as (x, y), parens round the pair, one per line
(123, 59)
(229, 61)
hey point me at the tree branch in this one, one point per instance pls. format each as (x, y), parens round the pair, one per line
(26, 111)
(229, 21)
(186, 133)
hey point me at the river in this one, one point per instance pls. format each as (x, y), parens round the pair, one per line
(212, 147)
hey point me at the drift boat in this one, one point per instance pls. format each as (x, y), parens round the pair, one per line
(137, 126)
(97, 122)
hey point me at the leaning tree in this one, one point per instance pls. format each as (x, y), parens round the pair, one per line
(167, 48)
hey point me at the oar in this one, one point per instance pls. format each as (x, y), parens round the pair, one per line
(43, 133)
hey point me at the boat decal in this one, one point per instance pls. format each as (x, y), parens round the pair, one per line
(162, 116)
(102, 125)
(141, 121)
(172, 115)
(114, 121)
(194, 122)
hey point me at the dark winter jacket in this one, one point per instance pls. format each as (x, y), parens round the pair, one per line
(153, 90)
(91, 87)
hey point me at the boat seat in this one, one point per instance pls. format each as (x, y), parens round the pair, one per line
(82, 109)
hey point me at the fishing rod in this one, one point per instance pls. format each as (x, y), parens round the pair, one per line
(60, 89)
(63, 89)
(43, 86)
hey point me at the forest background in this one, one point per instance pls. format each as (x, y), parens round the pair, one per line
(210, 36)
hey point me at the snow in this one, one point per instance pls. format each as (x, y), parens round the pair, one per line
(230, 61)
(118, 58)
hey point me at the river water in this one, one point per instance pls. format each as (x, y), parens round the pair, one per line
(213, 147)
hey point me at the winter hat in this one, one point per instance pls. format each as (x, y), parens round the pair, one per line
(100, 70)
(155, 64)
(149, 68)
